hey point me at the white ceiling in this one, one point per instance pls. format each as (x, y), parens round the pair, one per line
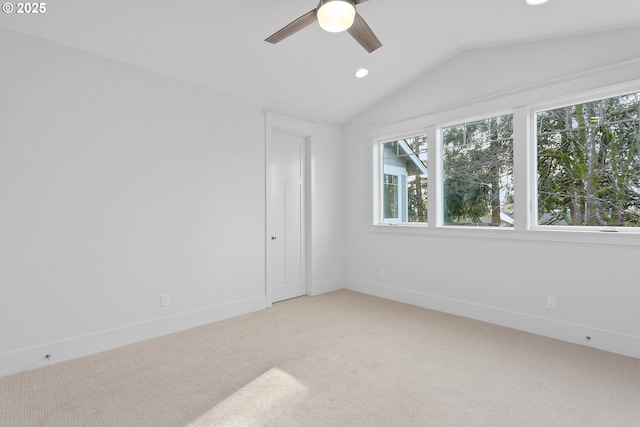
(220, 44)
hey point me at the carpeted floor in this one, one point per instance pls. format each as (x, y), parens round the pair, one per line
(339, 359)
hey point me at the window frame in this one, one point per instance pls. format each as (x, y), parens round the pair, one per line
(524, 166)
(532, 143)
(377, 141)
(441, 171)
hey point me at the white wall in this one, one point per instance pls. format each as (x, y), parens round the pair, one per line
(503, 281)
(118, 185)
(326, 216)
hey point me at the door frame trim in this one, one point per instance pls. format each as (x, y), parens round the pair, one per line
(307, 130)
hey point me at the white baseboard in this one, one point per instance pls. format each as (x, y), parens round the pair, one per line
(615, 342)
(73, 348)
(327, 286)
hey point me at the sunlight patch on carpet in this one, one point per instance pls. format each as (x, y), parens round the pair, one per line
(266, 398)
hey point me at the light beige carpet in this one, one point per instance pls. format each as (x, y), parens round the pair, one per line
(340, 359)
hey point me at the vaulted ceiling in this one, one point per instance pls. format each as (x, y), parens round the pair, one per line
(220, 45)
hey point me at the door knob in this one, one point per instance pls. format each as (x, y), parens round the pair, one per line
(273, 237)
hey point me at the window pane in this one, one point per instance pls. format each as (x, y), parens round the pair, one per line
(478, 173)
(406, 160)
(390, 197)
(588, 164)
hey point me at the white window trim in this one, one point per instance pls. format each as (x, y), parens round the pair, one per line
(377, 137)
(579, 98)
(525, 163)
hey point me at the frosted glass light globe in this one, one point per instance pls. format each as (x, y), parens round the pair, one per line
(336, 15)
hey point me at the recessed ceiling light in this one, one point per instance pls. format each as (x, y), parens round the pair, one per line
(535, 2)
(362, 72)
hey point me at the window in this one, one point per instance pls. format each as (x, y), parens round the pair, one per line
(561, 171)
(478, 173)
(404, 180)
(392, 202)
(588, 164)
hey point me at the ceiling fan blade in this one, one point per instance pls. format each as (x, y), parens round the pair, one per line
(295, 26)
(359, 1)
(361, 31)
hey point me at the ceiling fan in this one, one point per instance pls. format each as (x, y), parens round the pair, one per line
(334, 16)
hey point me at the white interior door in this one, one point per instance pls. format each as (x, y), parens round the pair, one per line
(286, 240)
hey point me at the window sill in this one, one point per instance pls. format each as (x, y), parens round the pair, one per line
(620, 238)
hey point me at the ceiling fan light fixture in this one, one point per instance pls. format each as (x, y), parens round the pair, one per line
(535, 2)
(335, 16)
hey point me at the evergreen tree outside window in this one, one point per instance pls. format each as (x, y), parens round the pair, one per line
(588, 164)
(478, 173)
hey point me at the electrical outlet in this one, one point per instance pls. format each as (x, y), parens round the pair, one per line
(551, 303)
(164, 300)
(383, 274)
